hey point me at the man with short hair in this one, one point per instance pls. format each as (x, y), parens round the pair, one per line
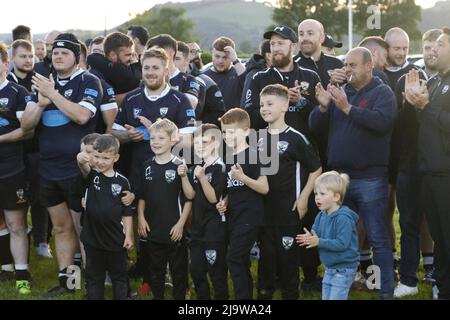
(114, 65)
(227, 71)
(96, 46)
(23, 63)
(40, 49)
(379, 48)
(195, 58)
(63, 111)
(178, 80)
(360, 116)
(21, 32)
(140, 36)
(210, 105)
(311, 35)
(45, 67)
(434, 155)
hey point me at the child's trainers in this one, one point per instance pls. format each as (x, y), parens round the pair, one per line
(23, 286)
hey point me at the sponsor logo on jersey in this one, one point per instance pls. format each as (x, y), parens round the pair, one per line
(91, 92)
(190, 112)
(211, 256)
(96, 183)
(218, 94)
(54, 118)
(27, 99)
(148, 173)
(110, 91)
(194, 85)
(170, 176)
(116, 189)
(287, 242)
(3, 122)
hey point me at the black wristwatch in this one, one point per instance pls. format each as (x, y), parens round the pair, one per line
(235, 62)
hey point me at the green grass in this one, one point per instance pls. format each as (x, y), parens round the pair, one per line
(44, 273)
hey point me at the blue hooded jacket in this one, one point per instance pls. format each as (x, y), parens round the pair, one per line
(359, 143)
(338, 238)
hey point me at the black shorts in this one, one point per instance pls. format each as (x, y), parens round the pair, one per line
(69, 190)
(13, 192)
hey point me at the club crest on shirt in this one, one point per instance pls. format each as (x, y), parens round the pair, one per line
(116, 189)
(4, 102)
(137, 112)
(209, 177)
(177, 88)
(287, 242)
(445, 89)
(20, 196)
(170, 175)
(211, 256)
(163, 111)
(68, 93)
(282, 146)
(148, 173)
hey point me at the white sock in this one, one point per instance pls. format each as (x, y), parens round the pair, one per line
(21, 266)
(8, 267)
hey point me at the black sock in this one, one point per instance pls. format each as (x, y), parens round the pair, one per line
(5, 249)
(23, 275)
(62, 277)
(77, 259)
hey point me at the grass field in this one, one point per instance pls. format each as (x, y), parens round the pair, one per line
(44, 277)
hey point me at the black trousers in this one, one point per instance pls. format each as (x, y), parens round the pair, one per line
(174, 254)
(209, 258)
(242, 237)
(436, 202)
(278, 252)
(98, 262)
(309, 258)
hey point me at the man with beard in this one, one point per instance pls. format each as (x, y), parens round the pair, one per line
(178, 80)
(398, 42)
(195, 58)
(227, 71)
(22, 73)
(311, 35)
(63, 111)
(45, 67)
(414, 230)
(40, 49)
(434, 155)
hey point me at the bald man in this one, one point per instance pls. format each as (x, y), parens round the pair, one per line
(311, 35)
(45, 67)
(359, 117)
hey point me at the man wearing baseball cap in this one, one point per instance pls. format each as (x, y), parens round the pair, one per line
(329, 44)
(63, 110)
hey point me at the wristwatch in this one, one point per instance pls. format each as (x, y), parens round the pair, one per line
(235, 62)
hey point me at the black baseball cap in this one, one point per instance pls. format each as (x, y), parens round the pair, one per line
(330, 43)
(282, 31)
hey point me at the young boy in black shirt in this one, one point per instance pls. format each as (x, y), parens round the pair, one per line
(107, 225)
(206, 185)
(244, 203)
(160, 214)
(289, 190)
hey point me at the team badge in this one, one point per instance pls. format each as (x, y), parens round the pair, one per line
(137, 112)
(148, 173)
(248, 95)
(287, 242)
(445, 89)
(116, 189)
(4, 102)
(163, 111)
(170, 175)
(282, 146)
(304, 85)
(20, 196)
(211, 256)
(209, 177)
(68, 93)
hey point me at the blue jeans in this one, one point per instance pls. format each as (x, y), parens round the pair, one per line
(369, 198)
(411, 216)
(336, 283)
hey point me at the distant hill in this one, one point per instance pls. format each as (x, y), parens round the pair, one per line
(243, 21)
(436, 17)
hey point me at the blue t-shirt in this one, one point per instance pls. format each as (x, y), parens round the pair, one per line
(13, 99)
(59, 137)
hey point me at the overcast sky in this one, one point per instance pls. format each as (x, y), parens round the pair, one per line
(45, 15)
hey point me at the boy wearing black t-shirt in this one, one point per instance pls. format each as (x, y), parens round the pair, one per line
(289, 190)
(107, 223)
(161, 215)
(243, 205)
(206, 185)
